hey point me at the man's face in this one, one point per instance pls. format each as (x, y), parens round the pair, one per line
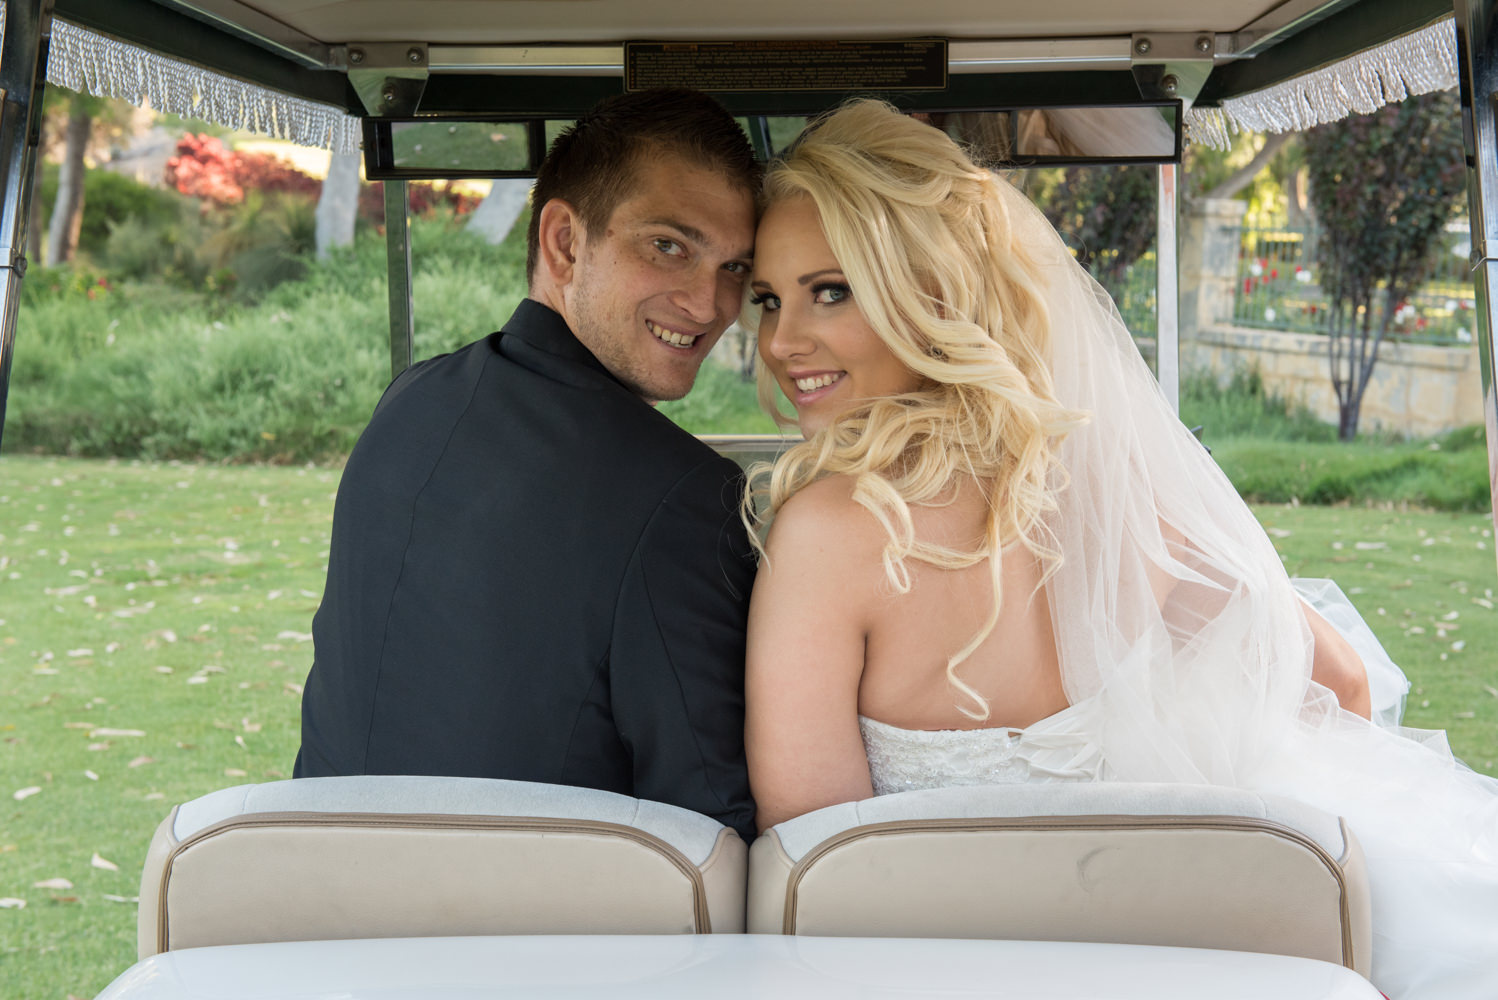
(653, 292)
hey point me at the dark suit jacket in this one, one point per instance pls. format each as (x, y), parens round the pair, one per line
(534, 575)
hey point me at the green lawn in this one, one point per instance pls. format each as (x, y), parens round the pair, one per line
(154, 636)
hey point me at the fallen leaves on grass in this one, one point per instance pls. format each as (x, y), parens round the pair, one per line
(141, 761)
(105, 731)
(52, 883)
(12, 903)
(25, 793)
(103, 863)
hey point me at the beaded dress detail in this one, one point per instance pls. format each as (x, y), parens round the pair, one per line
(901, 760)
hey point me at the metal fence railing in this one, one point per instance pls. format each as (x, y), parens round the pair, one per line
(1278, 287)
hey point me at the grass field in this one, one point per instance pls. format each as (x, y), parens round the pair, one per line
(154, 636)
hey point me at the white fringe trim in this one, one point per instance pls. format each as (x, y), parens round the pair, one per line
(86, 62)
(1417, 63)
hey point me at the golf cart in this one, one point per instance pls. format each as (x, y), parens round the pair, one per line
(404, 886)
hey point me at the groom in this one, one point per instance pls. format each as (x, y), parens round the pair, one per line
(533, 574)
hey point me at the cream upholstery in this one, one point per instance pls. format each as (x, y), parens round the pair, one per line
(1182, 865)
(389, 856)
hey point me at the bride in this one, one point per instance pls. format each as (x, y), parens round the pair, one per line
(999, 557)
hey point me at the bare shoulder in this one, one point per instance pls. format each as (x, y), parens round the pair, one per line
(824, 517)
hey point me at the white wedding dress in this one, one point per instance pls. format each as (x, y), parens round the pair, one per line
(1206, 677)
(1430, 866)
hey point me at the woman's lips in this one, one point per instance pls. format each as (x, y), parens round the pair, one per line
(812, 386)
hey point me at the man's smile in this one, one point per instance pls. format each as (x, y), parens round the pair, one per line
(675, 338)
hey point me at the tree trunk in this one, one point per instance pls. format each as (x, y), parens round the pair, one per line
(1243, 175)
(496, 214)
(67, 211)
(1347, 421)
(338, 204)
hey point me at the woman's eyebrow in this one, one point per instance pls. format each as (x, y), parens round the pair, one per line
(807, 279)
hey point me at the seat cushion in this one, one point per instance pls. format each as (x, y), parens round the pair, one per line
(404, 856)
(1160, 864)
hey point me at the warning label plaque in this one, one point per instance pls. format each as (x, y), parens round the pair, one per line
(913, 64)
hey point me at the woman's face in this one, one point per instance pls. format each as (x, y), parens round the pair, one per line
(812, 336)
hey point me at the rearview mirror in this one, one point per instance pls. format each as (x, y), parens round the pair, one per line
(431, 148)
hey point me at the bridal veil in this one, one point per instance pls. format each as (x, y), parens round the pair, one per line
(1186, 656)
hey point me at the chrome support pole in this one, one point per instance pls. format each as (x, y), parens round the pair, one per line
(1477, 59)
(23, 75)
(398, 264)
(1167, 290)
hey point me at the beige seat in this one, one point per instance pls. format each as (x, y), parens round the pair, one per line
(1184, 865)
(380, 856)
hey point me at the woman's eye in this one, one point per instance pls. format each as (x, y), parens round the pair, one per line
(667, 246)
(829, 295)
(766, 301)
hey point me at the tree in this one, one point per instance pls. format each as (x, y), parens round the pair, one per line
(338, 203)
(67, 210)
(1383, 187)
(1111, 212)
(501, 208)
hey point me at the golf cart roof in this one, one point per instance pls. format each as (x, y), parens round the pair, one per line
(1008, 51)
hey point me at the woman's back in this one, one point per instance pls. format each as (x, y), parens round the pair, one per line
(912, 636)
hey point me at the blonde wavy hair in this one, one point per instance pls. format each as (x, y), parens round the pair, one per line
(925, 240)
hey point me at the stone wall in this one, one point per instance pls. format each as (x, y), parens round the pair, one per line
(1416, 389)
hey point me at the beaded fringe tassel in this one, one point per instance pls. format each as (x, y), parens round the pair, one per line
(86, 62)
(1417, 63)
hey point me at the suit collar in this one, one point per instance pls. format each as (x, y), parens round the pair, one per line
(544, 329)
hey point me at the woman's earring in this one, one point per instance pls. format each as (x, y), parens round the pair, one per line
(937, 354)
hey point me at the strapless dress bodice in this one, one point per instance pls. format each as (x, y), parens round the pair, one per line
(901, 760)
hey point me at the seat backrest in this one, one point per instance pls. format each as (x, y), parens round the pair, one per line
(394, 856)
(1163, 864)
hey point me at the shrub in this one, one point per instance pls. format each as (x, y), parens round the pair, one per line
(1332, 472)
(160, 371)
(156, 249)
(207, 169)
(427, 199)
(721, 402)
(1243, 407)
(108, 200)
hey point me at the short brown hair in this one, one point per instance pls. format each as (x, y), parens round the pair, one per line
(593, 163)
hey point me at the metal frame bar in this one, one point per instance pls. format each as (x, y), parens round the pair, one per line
(242, 21)
(1477, 56)
(963, 56)
(398, 264)
(23, 75)
(1167, 289)
(1287, 19)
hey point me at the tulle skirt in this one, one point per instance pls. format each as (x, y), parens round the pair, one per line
(1427, 823)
